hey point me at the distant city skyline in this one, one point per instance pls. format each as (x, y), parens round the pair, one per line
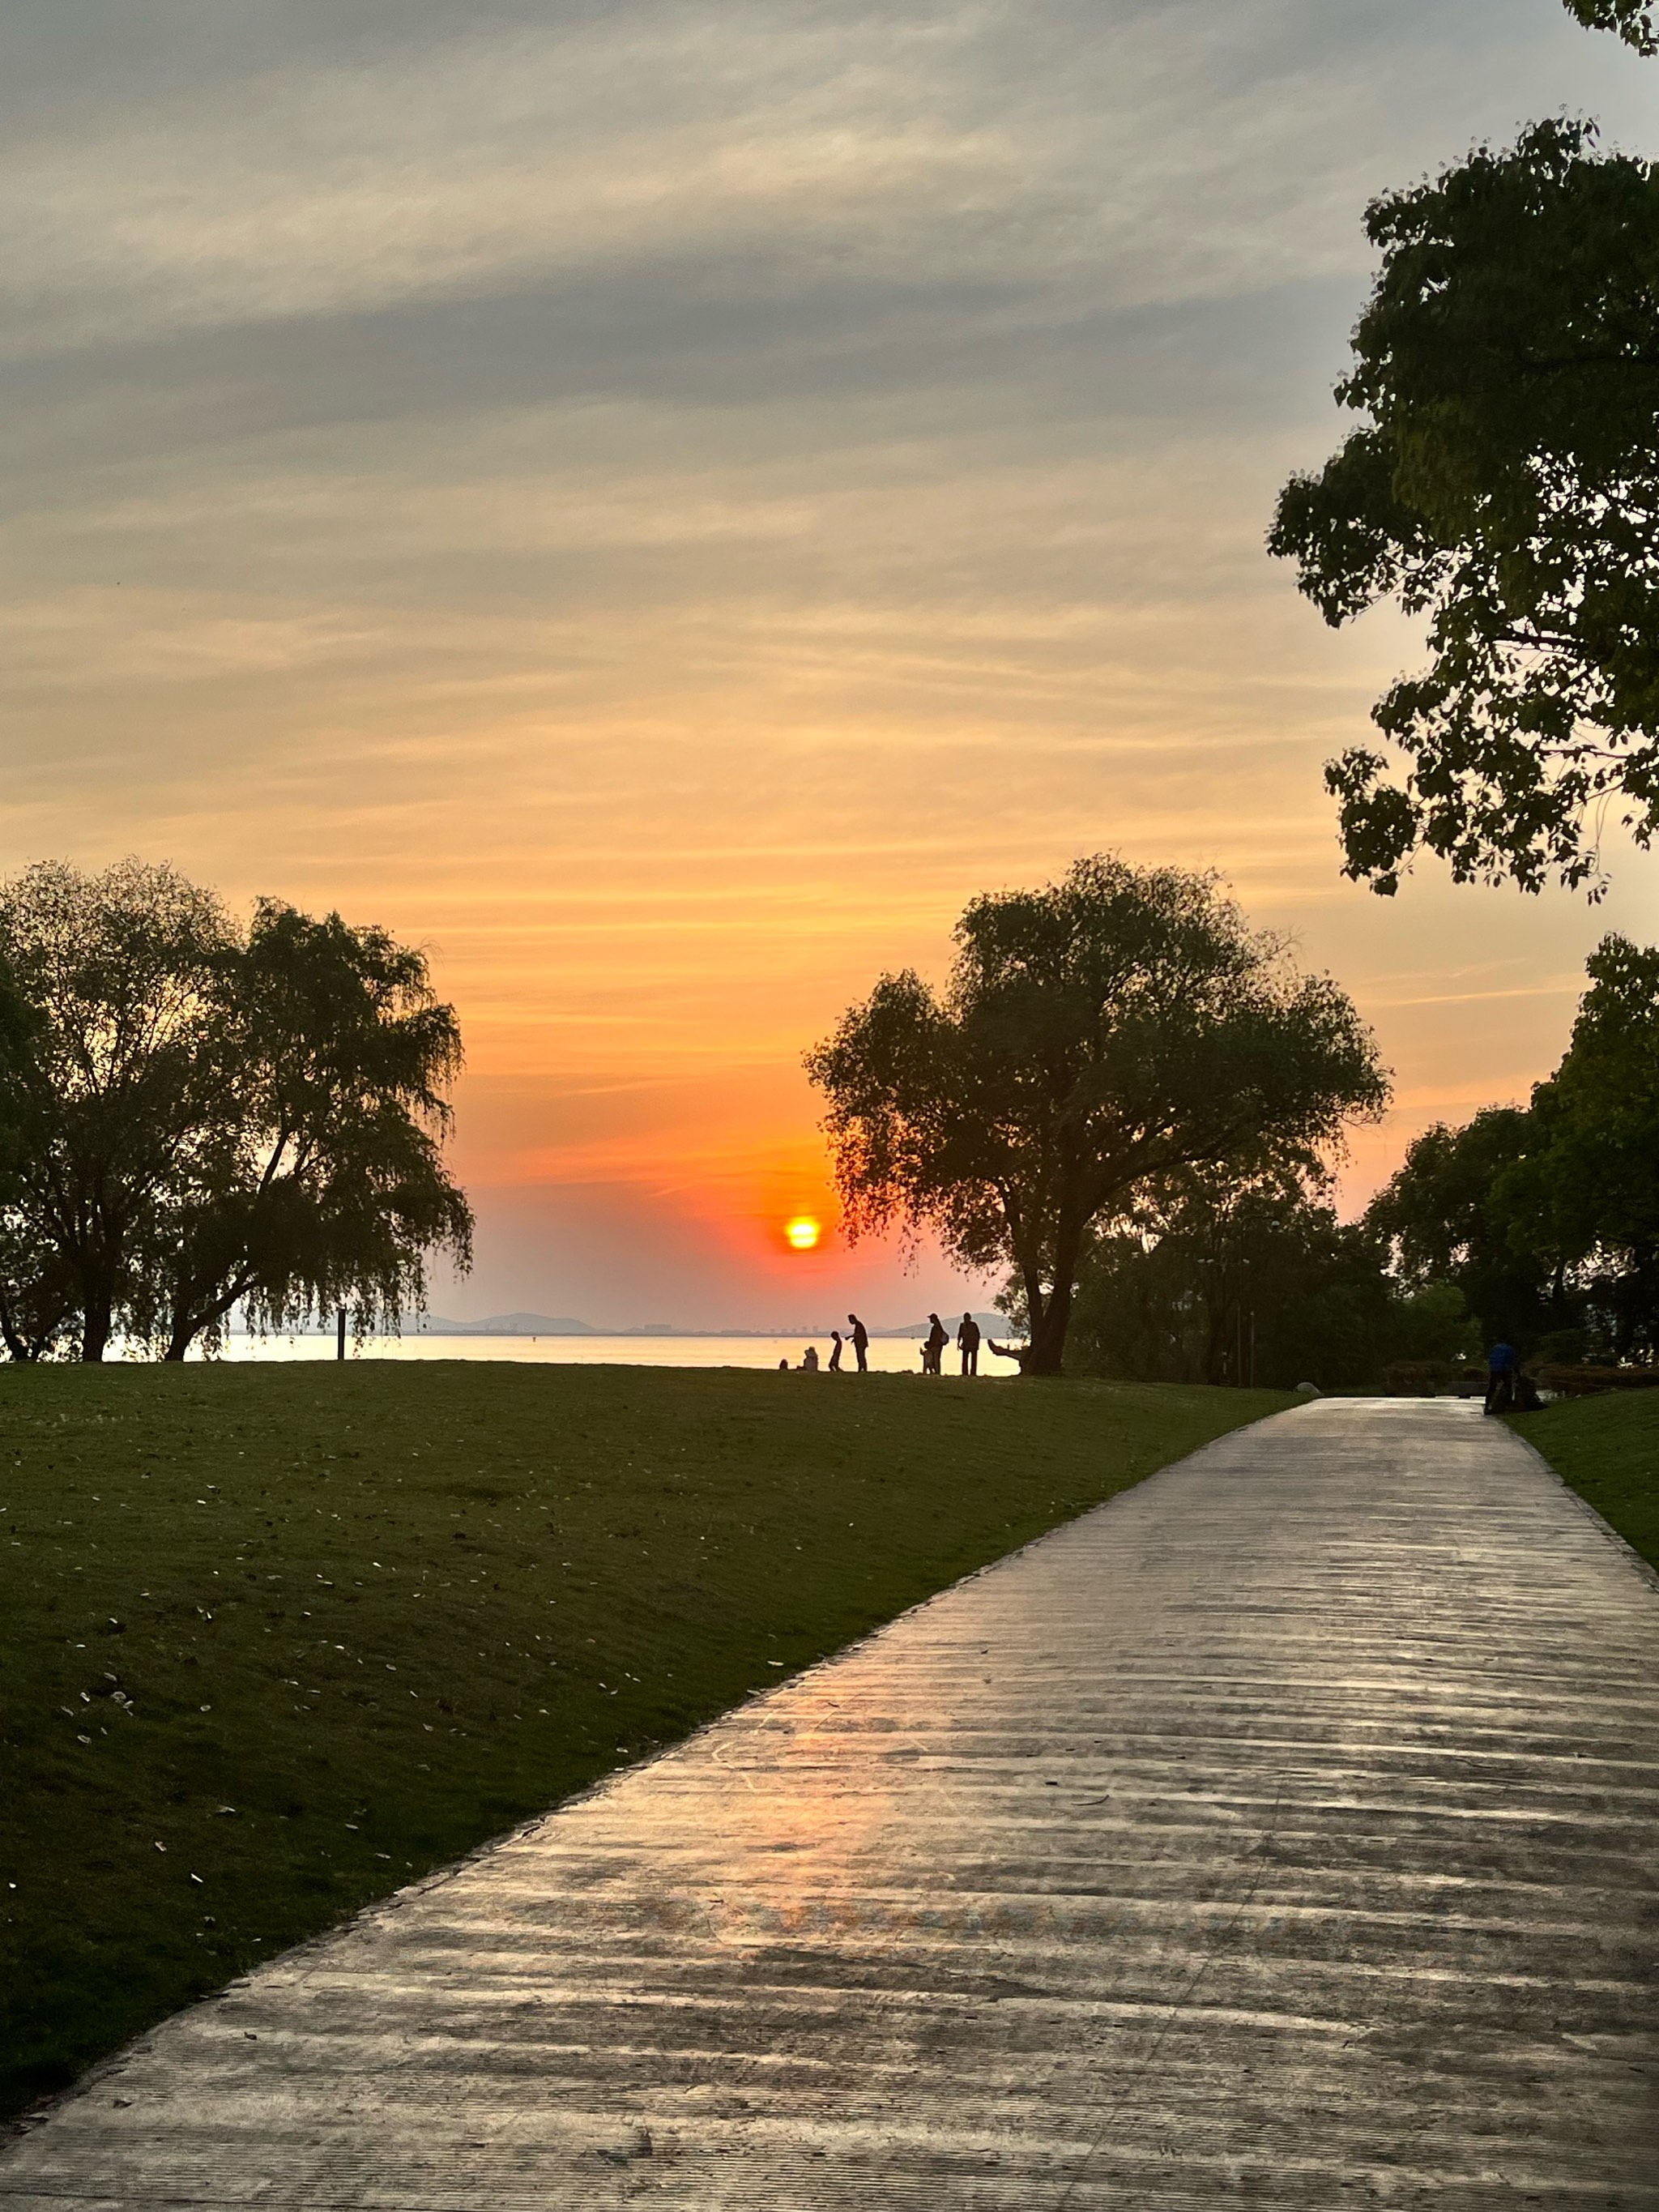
(660, 507)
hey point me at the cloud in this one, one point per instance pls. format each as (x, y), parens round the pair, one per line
(661, 504)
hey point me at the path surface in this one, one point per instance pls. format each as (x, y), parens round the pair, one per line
(1282, 1832)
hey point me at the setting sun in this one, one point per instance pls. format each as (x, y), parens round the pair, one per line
(803, 1232)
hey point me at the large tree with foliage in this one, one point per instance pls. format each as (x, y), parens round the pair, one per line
(36, 1291)
(208, 1115)
(1504, 483)
(120, 973)
(1095, 1036)
(320, 1183)
(1586, 1189)
(1447, 1218)
(1546, 1216)
(1214, 1281)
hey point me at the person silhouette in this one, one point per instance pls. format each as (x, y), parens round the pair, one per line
(1502, 1368)
(809, 1360)
(933, 1352)
(836, 1349)
(860, 1344)
(968, 1344)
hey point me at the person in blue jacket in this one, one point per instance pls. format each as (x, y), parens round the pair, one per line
(1503, 1366)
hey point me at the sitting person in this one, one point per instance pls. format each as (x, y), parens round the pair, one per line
(809, 1360)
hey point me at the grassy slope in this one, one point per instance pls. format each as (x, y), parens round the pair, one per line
(1607, 1448)
(366, 1616)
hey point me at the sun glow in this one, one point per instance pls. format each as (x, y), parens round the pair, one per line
(803, 1232)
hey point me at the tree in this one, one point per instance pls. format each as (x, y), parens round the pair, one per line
(119, 970)
(1587, 1190)
(37, 1292)
(1505, 484)
(321, 1181)
(1631, 19)
(1095, 1036)
(1447, 1218)
(212, 1116)
(1217, 1282)
(1546, 1216)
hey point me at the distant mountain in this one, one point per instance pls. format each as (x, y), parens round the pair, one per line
(513, 1324)
(991, 1324)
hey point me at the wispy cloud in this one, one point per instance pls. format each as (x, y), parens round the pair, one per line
(663, 503)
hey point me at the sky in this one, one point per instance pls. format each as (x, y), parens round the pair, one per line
(660, 504)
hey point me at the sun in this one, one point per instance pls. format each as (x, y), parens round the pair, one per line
(803, 1232)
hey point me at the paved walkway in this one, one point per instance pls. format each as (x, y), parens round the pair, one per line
(1282, 1832)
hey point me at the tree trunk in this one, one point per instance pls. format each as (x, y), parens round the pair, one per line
(16, 1346)
(1049, 1331)
(96, 1327)
(1048, 1353)
(184, 1327)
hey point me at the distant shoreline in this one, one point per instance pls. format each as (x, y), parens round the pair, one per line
(537, 1325)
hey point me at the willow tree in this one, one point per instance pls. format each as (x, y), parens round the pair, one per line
(1093, 1036)
(319, 1180)
(196, 1115)
(118, 972)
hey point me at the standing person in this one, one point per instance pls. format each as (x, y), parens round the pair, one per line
(860, 1344)
(968, 1344)
(836, 1349)
(937, 1338)
(1503, 1366)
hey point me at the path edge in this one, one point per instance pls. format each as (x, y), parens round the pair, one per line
(13, 2132)
(1644, 1568)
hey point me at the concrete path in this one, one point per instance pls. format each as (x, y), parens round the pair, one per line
(1282, 1832)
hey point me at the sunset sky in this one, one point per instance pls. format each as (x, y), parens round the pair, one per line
(662, 503)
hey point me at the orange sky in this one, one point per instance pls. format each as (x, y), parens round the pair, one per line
(662, 508)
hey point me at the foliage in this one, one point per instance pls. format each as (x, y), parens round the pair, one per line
(1446, 1219)
(208, 1116)
(1587, 1188)
(1094, 1038)
(1505, 484)
(1431, 1323)
(1220, 1282)
(1631, 19)
(1546, 1216)
(321, 1184)
(121, 1074)
(565, 1567)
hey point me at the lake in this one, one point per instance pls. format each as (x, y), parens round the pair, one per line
(888, 1355)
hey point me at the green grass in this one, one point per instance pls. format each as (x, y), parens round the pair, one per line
(1607, 1448)
(362, 1618)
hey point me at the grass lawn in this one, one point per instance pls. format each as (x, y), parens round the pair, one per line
(1607, 1448)
(273, 1640)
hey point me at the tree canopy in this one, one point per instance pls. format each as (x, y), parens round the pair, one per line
(1504, 483)
(209, 1117)
(1547, 1216)
(1218, 1281)
(1631, 20)
(1095, 1036)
